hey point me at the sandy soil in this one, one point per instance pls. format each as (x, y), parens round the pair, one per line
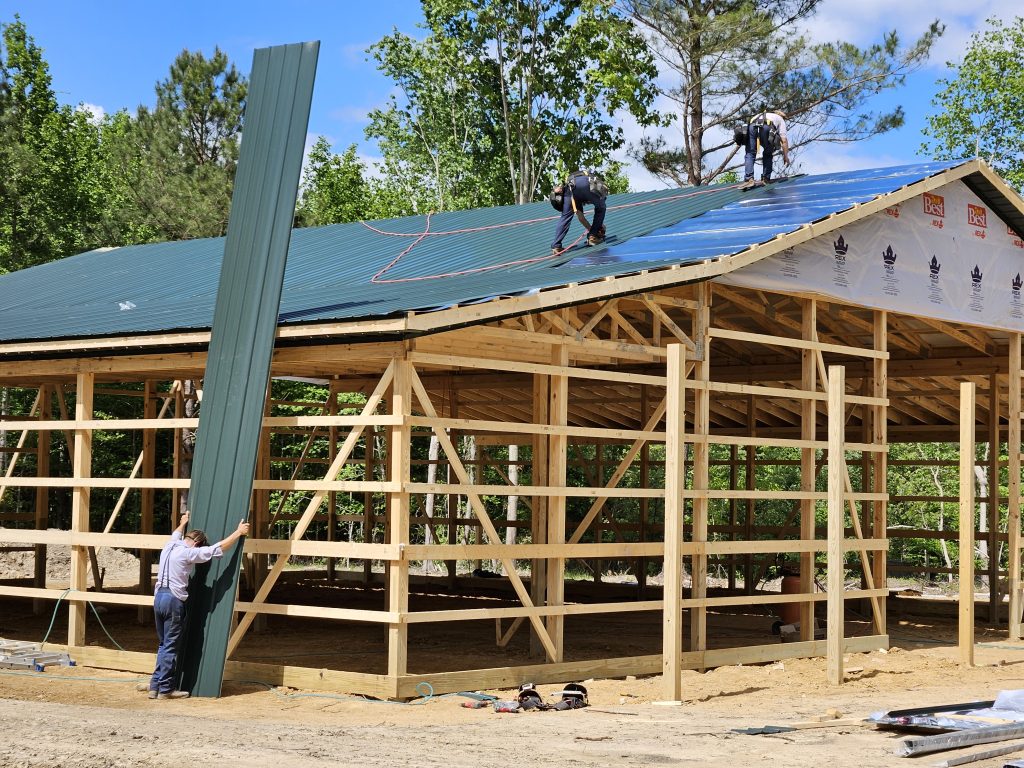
(84, 718)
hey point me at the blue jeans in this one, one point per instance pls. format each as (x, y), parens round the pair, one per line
(584, 195)
(757, 133)
(170, 619)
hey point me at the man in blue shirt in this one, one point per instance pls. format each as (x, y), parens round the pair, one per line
(581, 188)
(177, 560)
(767, 130)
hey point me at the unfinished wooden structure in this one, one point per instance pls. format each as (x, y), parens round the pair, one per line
(641, 420)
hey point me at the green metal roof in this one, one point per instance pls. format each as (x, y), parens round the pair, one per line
(421, 263)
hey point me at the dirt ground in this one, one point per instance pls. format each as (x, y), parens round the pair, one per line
(88, 718)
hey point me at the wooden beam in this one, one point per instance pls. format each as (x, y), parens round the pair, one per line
(81, 468)
(675, 480)
(399, 458)
(808, 464)
(558, 413)
(967, 419)
(835, 629)
(1014, 416)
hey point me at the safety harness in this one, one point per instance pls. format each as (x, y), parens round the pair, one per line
(597, 186)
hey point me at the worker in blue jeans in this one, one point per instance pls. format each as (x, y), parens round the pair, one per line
(768, 130)
(177, 560)
(581, 188)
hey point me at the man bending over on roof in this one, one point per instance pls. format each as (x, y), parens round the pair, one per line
(177, 560)
(581, 188)
(768, 129)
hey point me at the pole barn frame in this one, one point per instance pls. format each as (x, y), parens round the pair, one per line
(680, 374)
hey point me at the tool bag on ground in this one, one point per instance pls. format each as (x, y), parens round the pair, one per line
(574, 696)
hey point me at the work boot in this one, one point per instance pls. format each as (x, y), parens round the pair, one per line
(152, 694)
(595, 240)
(173, 695)
(555, 251)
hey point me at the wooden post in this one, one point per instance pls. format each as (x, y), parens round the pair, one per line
(967, 419)
(453, 498)
(369, 470)
(558, 413)
(734, 505)
(1013, 501)
(675, 480)
(995, 595)
(399, 464)
(539, 519)
(751, 505)
(701, 465)
(42, 512)
(332, 497)
(808, 464)
(836, 518)
(645, 482)
(880, 464)
(178, 388)
(147, 499)
(81, 466)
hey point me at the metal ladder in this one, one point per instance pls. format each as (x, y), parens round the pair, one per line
(18, 654)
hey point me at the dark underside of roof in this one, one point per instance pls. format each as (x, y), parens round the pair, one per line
(389, 268)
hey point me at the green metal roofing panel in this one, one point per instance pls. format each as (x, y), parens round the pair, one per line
(242, 340)
(387, 268)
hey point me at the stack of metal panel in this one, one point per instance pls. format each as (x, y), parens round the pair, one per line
(18, 654)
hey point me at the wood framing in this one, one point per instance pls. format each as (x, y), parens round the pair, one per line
(677, 443)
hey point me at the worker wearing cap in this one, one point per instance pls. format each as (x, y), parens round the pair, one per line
(177, 561)
(581, 188)
(768, 129)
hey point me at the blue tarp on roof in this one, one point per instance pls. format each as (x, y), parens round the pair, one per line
(387, 268)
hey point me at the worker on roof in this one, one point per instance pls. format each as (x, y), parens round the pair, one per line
(581, 188)
(177, 560)
(769, 130)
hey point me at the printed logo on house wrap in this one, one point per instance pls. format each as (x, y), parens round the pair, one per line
(977, 217)
(934, 206)
(977, 302)
(840, 272)
(890, 283)
(934, 286)
(1016, 306)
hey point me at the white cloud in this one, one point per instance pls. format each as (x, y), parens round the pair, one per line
(863, 22)
(96, 113)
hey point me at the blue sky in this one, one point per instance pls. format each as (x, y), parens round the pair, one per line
(110, 53)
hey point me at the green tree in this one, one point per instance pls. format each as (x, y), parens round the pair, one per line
(333, 188)
(982, 105)
(172, 168)
(50, 185)
(730, 59)
(504, 96)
